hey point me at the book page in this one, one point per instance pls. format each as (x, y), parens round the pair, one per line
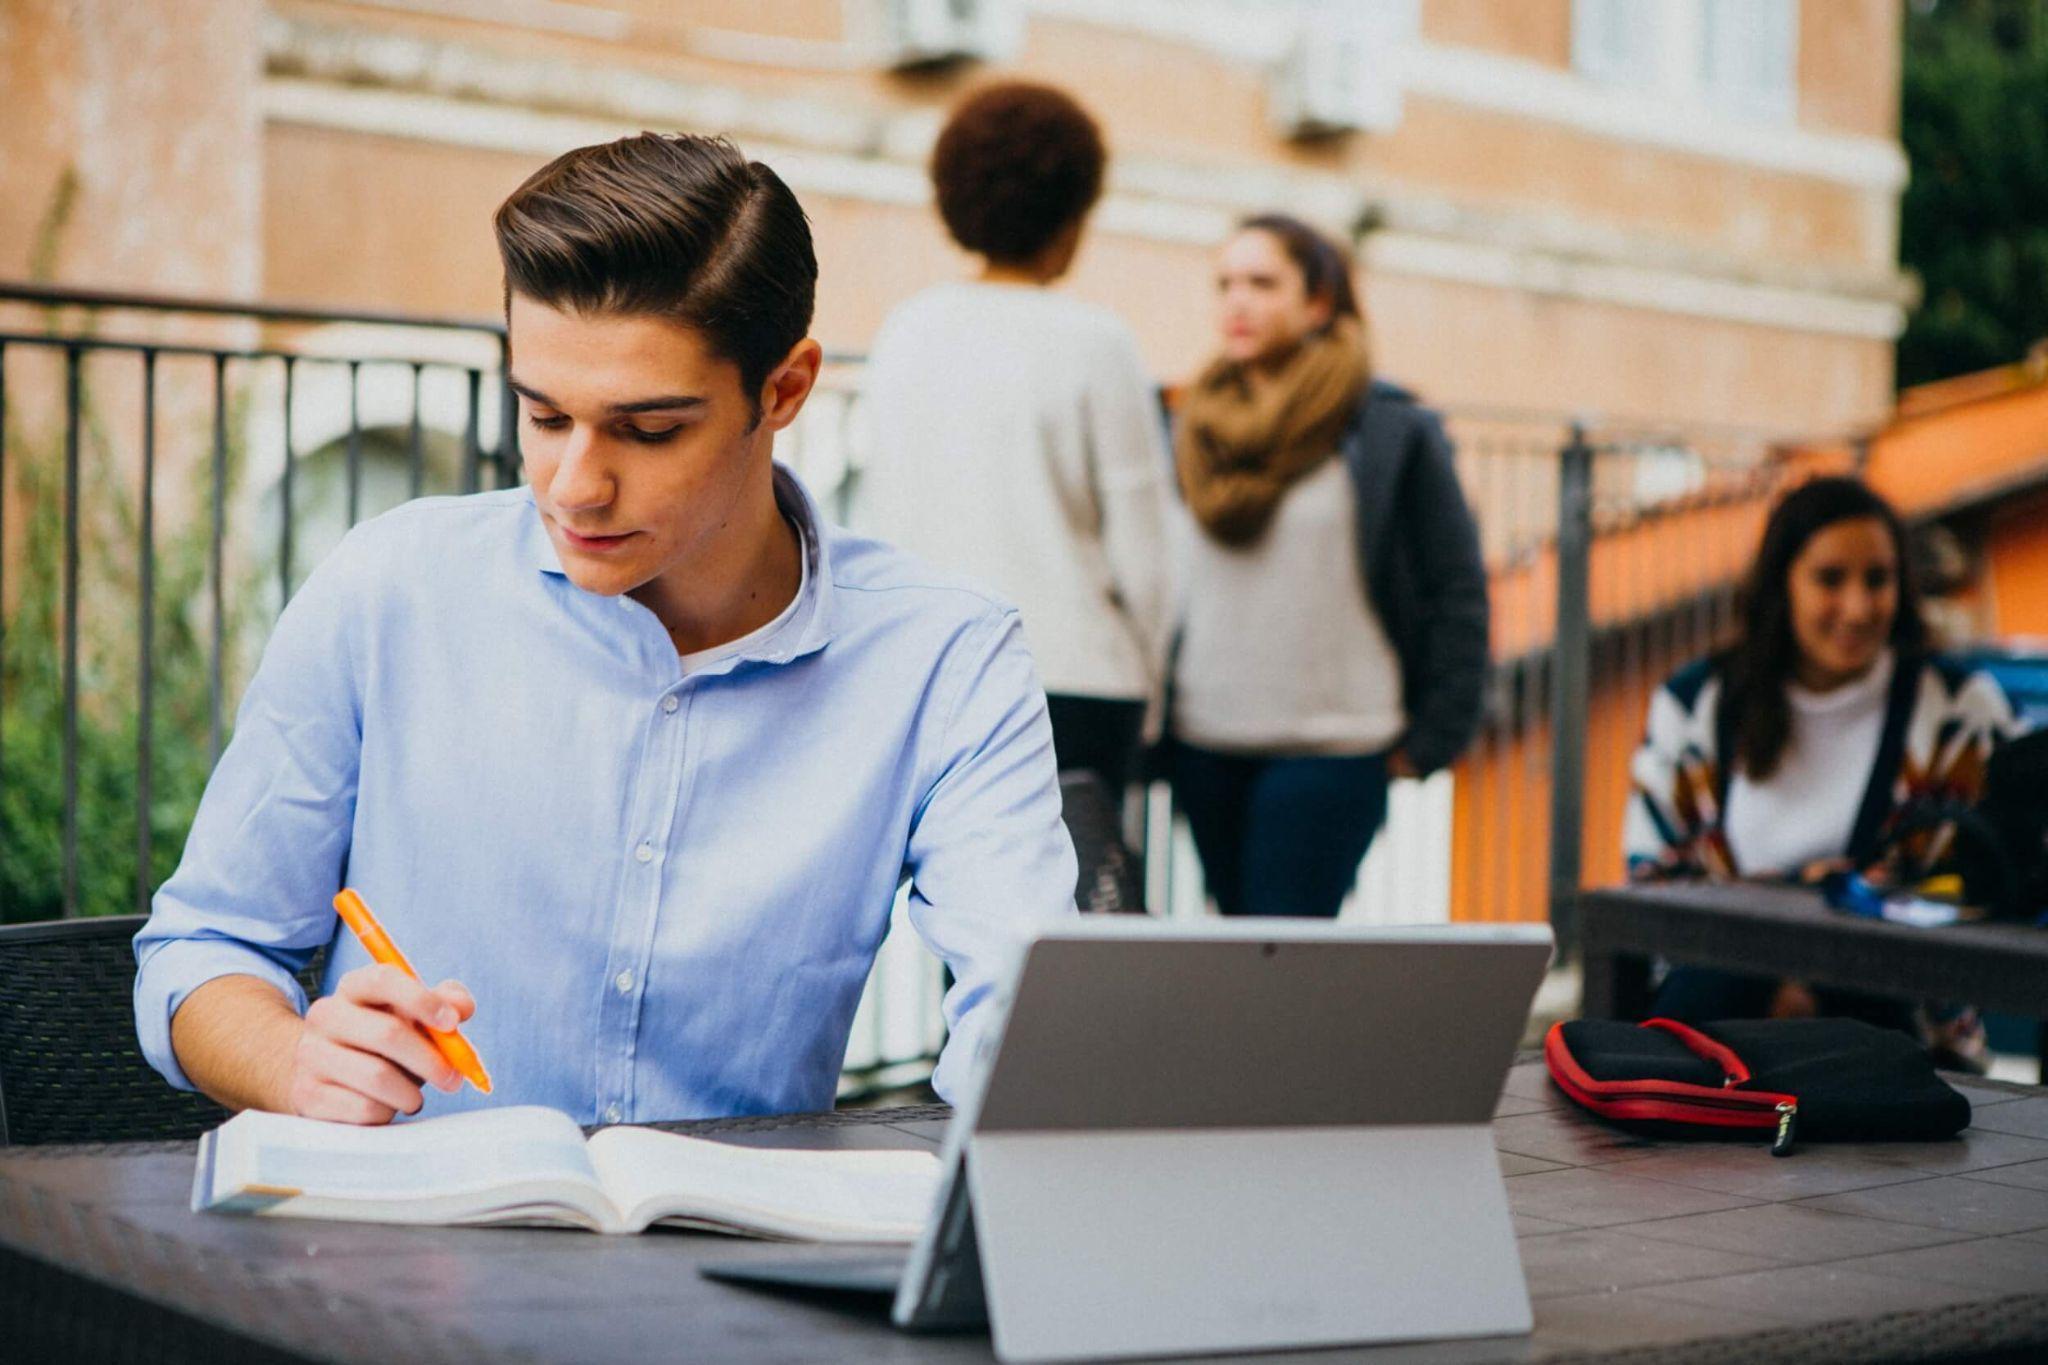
(882, 1196)
(281, 1157)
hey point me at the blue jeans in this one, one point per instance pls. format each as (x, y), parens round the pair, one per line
(1280, 836)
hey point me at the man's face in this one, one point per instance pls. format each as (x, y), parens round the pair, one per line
(639, 442)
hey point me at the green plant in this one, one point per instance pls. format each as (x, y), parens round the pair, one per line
(1974, 218)
(109, 711)
(109, 653)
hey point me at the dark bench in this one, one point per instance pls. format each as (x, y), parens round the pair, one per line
(1789, 931)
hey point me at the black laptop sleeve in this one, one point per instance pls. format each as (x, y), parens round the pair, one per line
(1785, 1079)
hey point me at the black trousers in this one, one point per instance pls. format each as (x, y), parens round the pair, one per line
(1280, 835)
(1099, 734)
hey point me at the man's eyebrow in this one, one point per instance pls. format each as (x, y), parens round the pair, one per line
(665, 403)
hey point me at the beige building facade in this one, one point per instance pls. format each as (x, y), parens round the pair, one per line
(1679, 209)
(1674, 218)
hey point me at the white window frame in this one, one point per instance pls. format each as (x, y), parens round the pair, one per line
(1691, 51)
(1769, 30)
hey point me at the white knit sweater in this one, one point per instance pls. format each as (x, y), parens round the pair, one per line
(1017, 439)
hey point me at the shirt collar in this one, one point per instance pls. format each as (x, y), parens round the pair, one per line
(808, 631)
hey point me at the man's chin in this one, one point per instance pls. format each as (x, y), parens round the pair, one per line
(603, 579)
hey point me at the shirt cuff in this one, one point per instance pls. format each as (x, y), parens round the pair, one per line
(179, 967)
(969, 1049)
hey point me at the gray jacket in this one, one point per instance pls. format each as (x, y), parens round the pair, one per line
(1419, 550)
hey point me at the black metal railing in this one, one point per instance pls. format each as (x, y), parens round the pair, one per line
(66, 324)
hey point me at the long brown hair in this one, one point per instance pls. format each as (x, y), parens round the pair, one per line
(1765, 655)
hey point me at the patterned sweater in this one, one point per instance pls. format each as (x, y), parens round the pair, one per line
(1941, 724)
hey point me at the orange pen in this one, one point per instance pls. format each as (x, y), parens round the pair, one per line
(452, 1045)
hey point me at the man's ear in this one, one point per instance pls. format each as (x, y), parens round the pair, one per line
(790, 384)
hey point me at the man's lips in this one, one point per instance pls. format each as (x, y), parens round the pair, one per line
(582, 542)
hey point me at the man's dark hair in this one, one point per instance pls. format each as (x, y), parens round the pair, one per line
(679, 227)
(1015, 166)
(1765, 655)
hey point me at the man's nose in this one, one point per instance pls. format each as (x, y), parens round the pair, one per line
(581, 480)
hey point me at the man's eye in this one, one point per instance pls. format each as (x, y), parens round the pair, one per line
(653, 438)
(554, 423)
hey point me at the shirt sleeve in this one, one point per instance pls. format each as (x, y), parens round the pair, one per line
(1130, 466)
(1672, 825)
(1453, 643)
(989, 857)
(252, 894)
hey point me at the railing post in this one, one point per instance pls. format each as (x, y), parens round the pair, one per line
(217, 557)
(507, 455)
(3, 562)
(74, 359)
(145, 629)
(1573, 675)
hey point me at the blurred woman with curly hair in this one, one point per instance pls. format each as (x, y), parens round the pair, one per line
(1018, 438)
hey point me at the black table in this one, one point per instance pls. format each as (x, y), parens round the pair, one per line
(1790, 931)
(1635, 1250)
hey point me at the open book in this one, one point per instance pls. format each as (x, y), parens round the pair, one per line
(533, 1167)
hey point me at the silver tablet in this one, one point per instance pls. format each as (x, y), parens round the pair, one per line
(1168, 1102)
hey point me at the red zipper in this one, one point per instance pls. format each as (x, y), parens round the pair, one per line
(1676, 1101)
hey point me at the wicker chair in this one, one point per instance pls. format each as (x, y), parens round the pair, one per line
(1112, 880)
(70, 1067)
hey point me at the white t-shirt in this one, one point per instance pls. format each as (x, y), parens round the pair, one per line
(1806, 810)
(1018, 440)
(701, 659)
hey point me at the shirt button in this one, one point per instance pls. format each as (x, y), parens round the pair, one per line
(624, 981)
(644, 853)
(612, 1113)
(669, 705)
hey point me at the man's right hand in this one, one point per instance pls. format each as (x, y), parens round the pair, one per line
(361, 1057)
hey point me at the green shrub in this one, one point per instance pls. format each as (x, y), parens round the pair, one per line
(31, 685)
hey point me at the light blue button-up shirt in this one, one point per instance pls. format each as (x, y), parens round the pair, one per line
(665, 890)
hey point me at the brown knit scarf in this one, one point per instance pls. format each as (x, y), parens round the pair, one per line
(1244, 439)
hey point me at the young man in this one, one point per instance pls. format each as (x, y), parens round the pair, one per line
(641, 751)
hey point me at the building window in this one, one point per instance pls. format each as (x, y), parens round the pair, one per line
(1735, 56)
(1748, 54)
(1619, 42)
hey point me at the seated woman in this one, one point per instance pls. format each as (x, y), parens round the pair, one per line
(1801, 747)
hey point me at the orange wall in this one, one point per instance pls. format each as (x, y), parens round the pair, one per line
(1500, 821)
(1539, 30)
(2016, 569)
(1927, 461)
(1992, 439)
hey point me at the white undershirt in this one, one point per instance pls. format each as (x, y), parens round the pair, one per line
(1806, 810)
(703, 658)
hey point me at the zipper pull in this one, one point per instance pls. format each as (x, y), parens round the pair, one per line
(1788, 1113)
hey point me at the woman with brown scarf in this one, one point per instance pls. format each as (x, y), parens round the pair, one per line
(1335, 630)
